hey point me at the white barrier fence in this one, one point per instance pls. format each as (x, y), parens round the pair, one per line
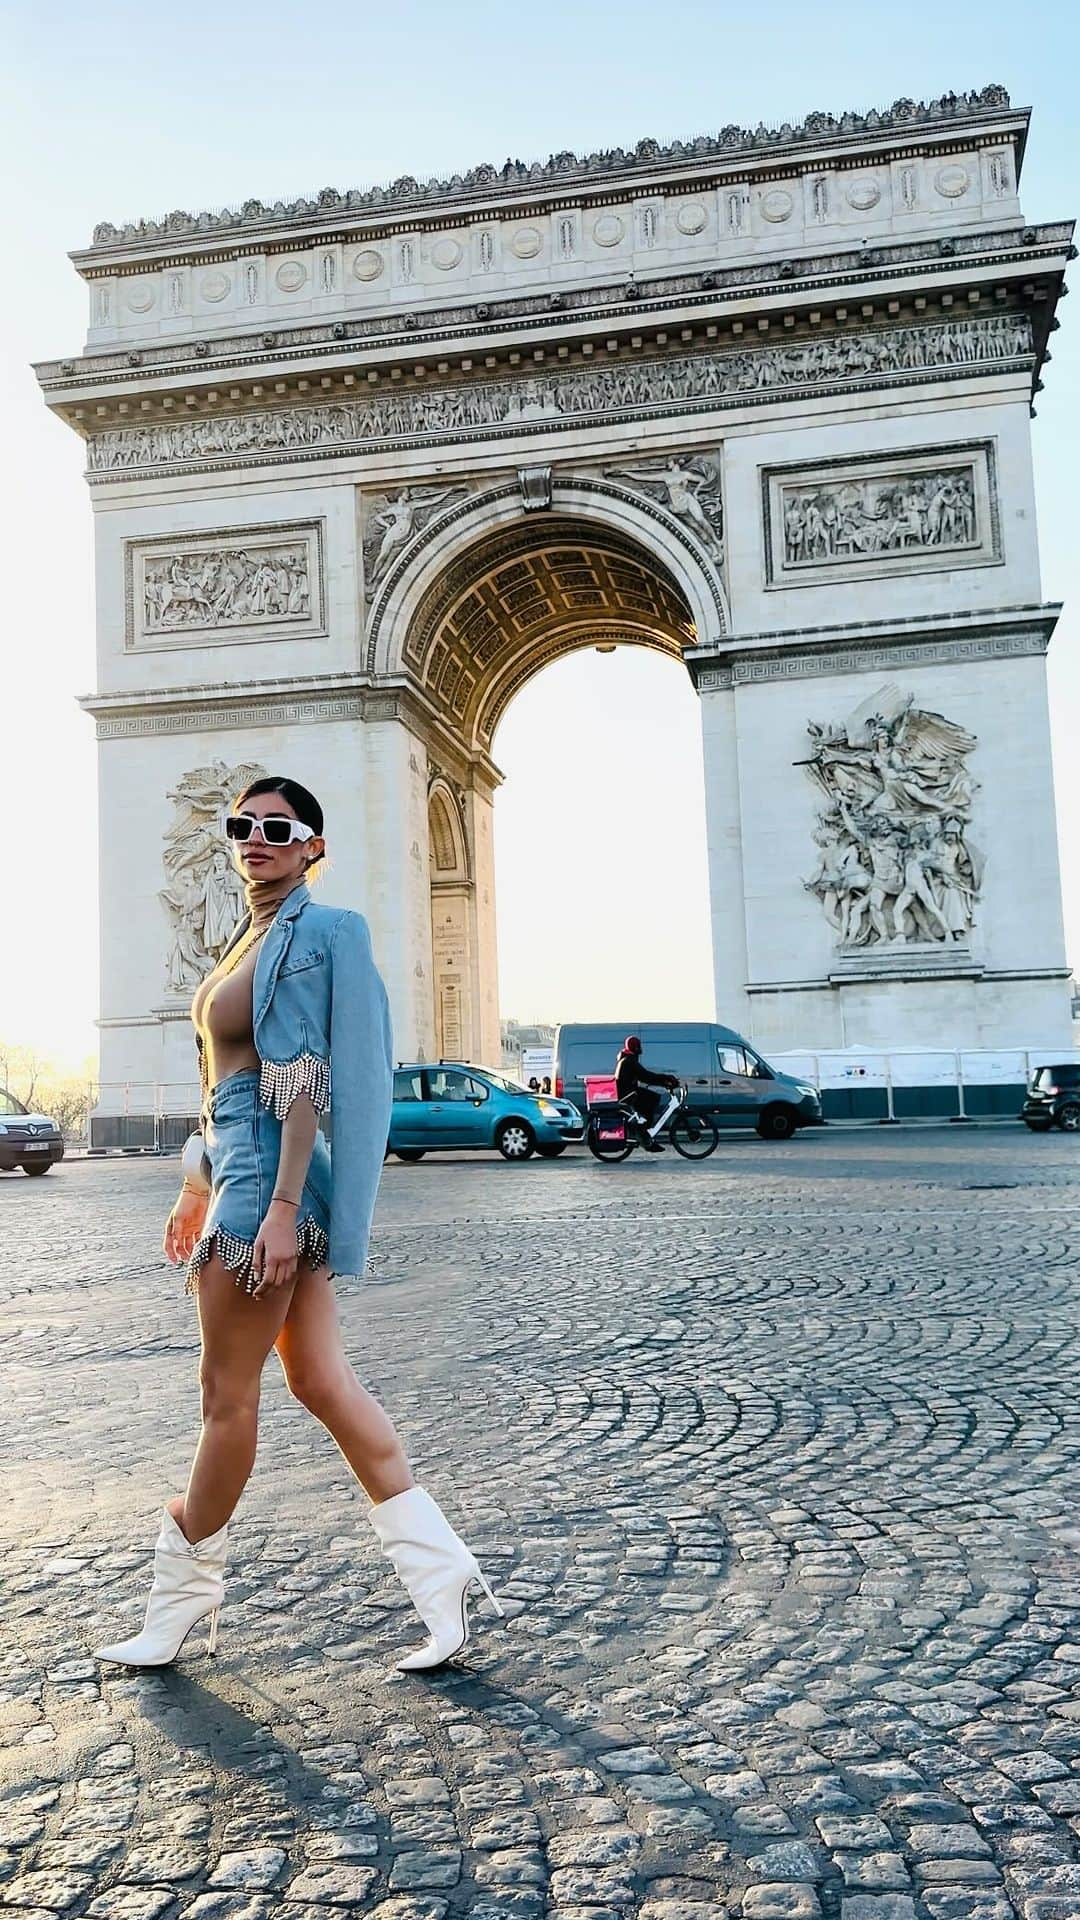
(958, 1069)
(155, 1113)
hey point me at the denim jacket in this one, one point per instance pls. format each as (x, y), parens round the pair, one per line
(322, 1027)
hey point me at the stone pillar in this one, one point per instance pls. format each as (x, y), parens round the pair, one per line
(724, 831)
(998, 978)
(398, 892)
(487, 1045)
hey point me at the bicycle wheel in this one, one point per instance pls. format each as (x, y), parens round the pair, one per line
(693, 1135)
(607, 1140)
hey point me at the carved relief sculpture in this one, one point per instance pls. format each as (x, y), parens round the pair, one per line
(881, 356)
(248, 582)
(689, 489)
(896, 863)
(391, 520)
(226, 586)
(861, 519)
(868, 514)
(203, 897)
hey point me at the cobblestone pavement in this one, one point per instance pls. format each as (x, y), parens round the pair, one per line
(773, 1460)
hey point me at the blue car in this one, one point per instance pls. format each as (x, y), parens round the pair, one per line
(471, 1107)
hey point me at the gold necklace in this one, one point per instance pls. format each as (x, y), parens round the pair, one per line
(241, 952)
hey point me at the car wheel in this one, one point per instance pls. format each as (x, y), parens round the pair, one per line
(37, 1166)
(1069, 1118)
(777, 1123)
(515, 1140)
(409, 1153)
(552, 1152)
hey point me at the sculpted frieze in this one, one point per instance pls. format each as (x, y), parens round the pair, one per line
(896, 863)
(691, 382)
(935, 507)
(246, 583)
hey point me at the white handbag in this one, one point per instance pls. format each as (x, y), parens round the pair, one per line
(194, 1164)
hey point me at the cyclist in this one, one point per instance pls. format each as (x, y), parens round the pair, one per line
(635, 1083)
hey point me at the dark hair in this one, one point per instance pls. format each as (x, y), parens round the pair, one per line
(304, 804)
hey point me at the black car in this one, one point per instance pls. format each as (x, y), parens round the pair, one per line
(28, 1140)
(1053, 1099)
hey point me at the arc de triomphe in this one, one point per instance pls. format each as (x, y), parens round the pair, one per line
(361, 465)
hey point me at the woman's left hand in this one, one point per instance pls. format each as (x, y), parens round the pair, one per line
(275, 1257)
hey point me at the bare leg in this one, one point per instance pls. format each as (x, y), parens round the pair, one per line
(237, 1335)
(319, 1376)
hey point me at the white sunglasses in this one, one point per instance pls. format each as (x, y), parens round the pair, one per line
(276, 829)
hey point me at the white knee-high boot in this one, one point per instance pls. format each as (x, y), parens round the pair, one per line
(435, 1567)
(189, 1583)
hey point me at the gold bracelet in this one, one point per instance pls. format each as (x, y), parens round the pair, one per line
(199, 1192)
(281, 1197)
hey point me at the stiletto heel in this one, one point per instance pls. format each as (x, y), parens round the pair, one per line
(436, 1568)
(189, 1584)
(495, 1607)
(211, 1645)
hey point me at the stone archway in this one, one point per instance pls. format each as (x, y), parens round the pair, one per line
(759, 403)
(513, 600)
(452, 942)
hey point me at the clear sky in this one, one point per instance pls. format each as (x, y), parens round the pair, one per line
(114, 110)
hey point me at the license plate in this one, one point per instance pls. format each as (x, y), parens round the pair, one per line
(37, 1146)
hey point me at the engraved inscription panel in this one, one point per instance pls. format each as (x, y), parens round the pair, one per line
(245, 583)
(907, 513)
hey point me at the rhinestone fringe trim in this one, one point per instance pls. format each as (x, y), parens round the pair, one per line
(312, 1245)
(283, 1081)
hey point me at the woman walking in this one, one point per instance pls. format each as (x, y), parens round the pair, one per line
(292, 1020)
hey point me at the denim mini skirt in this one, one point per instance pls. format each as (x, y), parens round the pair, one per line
(243, 1144)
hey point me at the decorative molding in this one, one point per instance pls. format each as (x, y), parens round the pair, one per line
(838, 981)
(461, 412)
(923, 509)
(233, 584)
(873, 658)
(268, 712)
(564, 485)
(898, 876)
(562, 169)
(805, 272)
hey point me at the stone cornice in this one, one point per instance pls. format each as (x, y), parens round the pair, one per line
(557, 313)
(1000, 633)
(905, 121)
(134, 713)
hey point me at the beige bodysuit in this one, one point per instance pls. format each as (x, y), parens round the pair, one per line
(223, 1015)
